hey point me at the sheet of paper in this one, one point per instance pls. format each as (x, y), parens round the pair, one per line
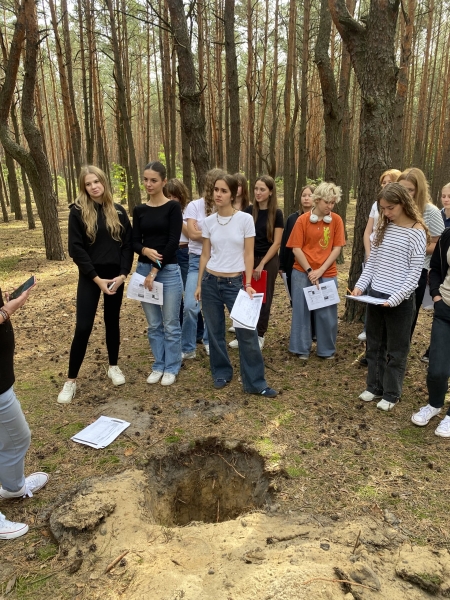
(101, 433)
(240, 326)
(324, 295)
(246, 310)
(427, 302)
(137, 291)
(366, 299)
(284, 278)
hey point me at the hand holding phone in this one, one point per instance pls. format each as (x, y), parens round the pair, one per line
(23, 288)
(112, 285)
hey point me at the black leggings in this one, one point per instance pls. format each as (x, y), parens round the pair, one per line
(88, 295)
(419, 294)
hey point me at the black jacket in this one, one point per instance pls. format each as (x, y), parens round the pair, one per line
(105, 250)
(6, 354)
(438, 264)
(287, 258)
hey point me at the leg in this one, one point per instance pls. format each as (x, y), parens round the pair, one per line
(326, 323)
(183, 263)
(191, 307)
(301, 339)
(439, 367)
(170, 277)
(111, 314)
(376, 348)
(15, 440)
(419, 294)
(272, 272)
(88, 294)
(214, 315)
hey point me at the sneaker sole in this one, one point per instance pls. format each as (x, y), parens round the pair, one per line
(14, 534)
(36, 489)
(114, 383)
(371, 399)
(423, 424)
(66, 401)
(442, 435)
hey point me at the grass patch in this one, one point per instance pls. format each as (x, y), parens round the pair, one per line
(411, 435)
(109, 460)
(8, 264)
(367, 492)
(172, 439)
(295, 472)
(47, 552)
(431, 578)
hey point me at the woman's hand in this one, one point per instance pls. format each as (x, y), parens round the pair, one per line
(257, 271)
(103, 285)
(314, 276)
(437, 298)
(198, 293)
(120, 280)
(148, 283)
(12, 305)
(250, 291)
(152, 254)
(357, 292)
(387, 305)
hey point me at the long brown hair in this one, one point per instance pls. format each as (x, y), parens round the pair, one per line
(87, 206)
(208, 193)
(272, 206)
(419, 181)
(175, 187)
(394, 193)
(242, 181)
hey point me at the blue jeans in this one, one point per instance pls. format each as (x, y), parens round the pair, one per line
(191, 308)
(217, 292)
(164, 330)
(325, 320)
(15, 440)
(439, 366)
(388, 333)
(183, 262)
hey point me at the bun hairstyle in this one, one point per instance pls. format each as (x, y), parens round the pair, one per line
(208, 193)
(394, 193)
(272, 205)
(87, 206)
(176, 188)
(158, 167)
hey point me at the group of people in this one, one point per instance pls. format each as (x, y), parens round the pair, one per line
(206, 251)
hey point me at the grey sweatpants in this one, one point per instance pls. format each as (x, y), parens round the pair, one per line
(15, 440)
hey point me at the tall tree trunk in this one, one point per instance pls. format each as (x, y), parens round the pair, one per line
(250, 85)
(288, 177)
(13, 186)
(87, 104)
(303, 150)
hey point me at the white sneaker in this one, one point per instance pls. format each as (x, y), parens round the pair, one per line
(68, 392)
(231, 329)
(188, 355)
(368, 396)
(362, 336)
(206, 346)
(234, 344)
(261, 342)
(443, 429)
(424, 416)
(154, 377)
(33, 483)
(10, 530)
(168, 379)
(116, 375)
(385, 405)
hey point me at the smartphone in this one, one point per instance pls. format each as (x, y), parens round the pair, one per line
(22, 288)
(111, 285)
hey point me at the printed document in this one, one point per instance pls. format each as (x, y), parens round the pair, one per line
(137, 291)
(324, 295)
(101, 433)
(245, 311)
(367, 299)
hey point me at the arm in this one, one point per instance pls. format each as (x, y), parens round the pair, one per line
(175, 225)
(367, 232)
(204, 257)
(249, 250)
(278, 232)
(193, 232)
(367, 275)
(432, 245)
(434, 275)
(316, 274)
(77, 244)
(413, 272)
(138, 236)
(12, 305)
(184, 230)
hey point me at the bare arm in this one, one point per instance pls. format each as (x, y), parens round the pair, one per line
(184, 229)
(193, 232)
(367, 232)
(432, 245)
(204, 257)
(315, 275)
(249, 248)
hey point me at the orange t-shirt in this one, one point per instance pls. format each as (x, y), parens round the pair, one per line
(317, 240)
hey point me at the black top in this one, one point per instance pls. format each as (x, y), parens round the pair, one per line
(262, 244)
(6, 354)
(159, 228)
(287, 257)
(105, 250)
(438, 264)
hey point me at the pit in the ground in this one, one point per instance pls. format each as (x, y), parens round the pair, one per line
(213, 481)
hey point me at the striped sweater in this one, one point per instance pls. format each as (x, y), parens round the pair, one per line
(395, 266)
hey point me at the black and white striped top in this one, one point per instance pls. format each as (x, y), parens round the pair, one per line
(395, 266)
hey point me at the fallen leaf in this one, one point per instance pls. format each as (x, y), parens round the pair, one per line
(128, 451)
(11, 583)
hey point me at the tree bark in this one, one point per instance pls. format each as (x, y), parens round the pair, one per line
(303, 150)
(13, 186)
(233, 157)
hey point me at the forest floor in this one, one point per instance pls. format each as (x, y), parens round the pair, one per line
(348, 492)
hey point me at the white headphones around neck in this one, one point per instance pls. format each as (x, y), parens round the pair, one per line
(314, 218)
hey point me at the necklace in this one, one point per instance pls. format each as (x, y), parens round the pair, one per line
(224, 224)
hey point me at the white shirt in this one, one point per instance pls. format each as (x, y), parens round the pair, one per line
(433, 220)
(183, 238)
(227, 235)
(196, 210)
(375, 215)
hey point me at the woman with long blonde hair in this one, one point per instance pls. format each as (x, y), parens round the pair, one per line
(100, 246)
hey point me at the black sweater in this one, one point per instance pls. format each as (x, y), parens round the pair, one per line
(6, 354)
(438, 264)
(287, 258)
(159, 228)
(105, 250)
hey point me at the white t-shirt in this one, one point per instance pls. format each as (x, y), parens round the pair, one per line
(375, 215)
(183, 238)
(227, 240)
(196, 210)
(433, 220)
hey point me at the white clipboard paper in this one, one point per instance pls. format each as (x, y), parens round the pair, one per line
(101, 432)
(245, 311)
(367, 299)
(137, 291)
(324, 295)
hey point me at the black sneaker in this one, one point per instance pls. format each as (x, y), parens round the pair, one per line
(269, 392)
(220, 383)
(363, 362)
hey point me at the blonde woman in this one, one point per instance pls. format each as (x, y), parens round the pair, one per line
(100, 246)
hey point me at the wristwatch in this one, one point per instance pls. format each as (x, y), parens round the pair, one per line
(309, 270)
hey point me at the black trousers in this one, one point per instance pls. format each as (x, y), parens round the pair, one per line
(272, 268)
(419, 294)
(88, 295)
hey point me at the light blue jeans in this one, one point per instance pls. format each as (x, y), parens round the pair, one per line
(15, 440)
(164, 330)
(191, 308)
(325, 320)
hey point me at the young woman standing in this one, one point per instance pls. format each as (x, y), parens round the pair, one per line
(157, 226)
(228, 240)
(242, 200)
(391, 272)
(268, 220)
(316, 241)
(100, 246)
(445, 199)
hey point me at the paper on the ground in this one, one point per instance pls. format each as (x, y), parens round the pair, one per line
(367, 299)
(324, 295)
(137, 291)
(284, 278)
(245, 311)
(101, 433)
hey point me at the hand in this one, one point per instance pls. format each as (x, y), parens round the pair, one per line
(198, 293)
(357, 292)
(257, 272)
(387, 305)
(12, 305)
(437, 298)
(314, 276)
(153, 255)
(120, 280)
(280, 273)
(103, 285)
(148, 283)
(250, 291)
